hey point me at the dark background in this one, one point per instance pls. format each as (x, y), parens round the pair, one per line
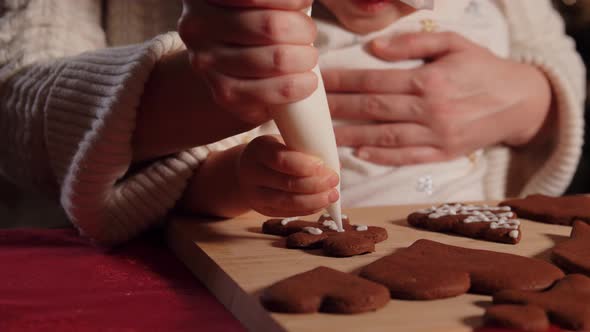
(577, 18)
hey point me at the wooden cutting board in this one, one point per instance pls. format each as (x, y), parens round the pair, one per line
(236, 261)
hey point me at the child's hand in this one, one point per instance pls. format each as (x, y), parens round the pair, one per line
(255, 53)
(277, 181)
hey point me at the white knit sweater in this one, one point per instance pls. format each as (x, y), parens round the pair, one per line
(68, 107)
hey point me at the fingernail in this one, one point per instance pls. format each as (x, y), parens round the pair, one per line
(334, 196)
(362, 154)
(333, 180)
(380, 43)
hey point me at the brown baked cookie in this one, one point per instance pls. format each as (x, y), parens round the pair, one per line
(355, 240)
(326, 290)
(491, 223)
(567, 304)
(573, 255)
(552, 210)
(524, 318)
(288, 226)
(429, 270)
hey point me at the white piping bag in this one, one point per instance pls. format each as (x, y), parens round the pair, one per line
(306, 126)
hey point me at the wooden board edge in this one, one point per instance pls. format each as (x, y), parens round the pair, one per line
(247, 309)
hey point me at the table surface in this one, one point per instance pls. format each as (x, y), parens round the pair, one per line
(236, 262)
(54, 280)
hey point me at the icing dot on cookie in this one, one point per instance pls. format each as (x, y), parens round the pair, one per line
(362, 228)
(331, 224)
(497, 216)
(514, 234)
(313, 230)
(285, 221)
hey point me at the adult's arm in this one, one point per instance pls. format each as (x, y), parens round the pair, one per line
(538, 38)
(68, 109)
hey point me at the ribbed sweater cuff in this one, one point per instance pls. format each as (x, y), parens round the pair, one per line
(555, 174)
(90, 118)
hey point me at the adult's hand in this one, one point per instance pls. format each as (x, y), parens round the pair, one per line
(242, 57)
(463, 99)
(253, 53)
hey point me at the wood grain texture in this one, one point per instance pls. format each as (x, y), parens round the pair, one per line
(235, 261)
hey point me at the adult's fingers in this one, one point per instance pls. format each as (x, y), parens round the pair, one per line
(420, 45)
(257, 27)
(392, 135)
(260, 62)
(398, 81)
(377, 107)
(233, 92)
(402, 156)
(274, 4)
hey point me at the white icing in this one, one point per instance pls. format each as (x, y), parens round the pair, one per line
(285, 221)
(331, 224)
(362, 228)
(514, 234)
(477, 213)
(326, 215)
(312, 230)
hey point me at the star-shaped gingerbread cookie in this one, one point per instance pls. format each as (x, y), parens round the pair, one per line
(567, 304)
(429, 270)
(355, 240)
(573, 255)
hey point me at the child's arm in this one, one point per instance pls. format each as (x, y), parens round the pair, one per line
(262, 175)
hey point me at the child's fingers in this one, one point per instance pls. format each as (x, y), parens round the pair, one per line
(262, 62)
(293, 184)
(269, 152)
(287, 203)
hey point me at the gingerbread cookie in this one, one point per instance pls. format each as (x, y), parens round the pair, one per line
(552, 210)
(355, 240)
(288, 226)
(429, 270)
(525, 318)
(567, 304)
(359, 241)
(326, 290)
(573, 255)
(492, 223)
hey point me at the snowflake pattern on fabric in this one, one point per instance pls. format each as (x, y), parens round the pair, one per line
(425, 185)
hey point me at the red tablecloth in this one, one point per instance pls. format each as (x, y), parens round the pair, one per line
(52, 280)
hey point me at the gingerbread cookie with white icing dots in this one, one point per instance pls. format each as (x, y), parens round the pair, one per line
(354, 240)
(491, 223)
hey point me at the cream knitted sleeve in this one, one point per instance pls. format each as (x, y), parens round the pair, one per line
(67, 117)
(538, 38)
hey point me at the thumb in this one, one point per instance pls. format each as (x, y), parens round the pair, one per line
(419, 45)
